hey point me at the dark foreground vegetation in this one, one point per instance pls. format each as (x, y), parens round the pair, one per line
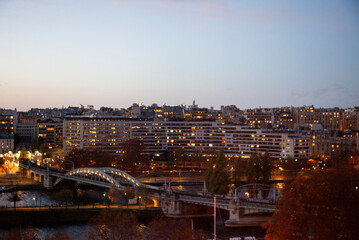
(324, 205)
(111, 225)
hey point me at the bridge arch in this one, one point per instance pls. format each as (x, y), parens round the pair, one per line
(92, 175)
(121, 174)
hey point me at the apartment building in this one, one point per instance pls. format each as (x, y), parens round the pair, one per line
(8, 122)
(26, 127)
(326, 143)
(107, 133)
(50, 130)
(6, 144)
(329, 118)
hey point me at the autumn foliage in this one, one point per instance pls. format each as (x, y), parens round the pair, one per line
(111, 225)
(89, 158)
(171, 229)
(324, 205)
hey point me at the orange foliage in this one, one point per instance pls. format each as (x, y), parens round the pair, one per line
(324, 205)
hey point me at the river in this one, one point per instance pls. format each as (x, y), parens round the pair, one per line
(79, 232)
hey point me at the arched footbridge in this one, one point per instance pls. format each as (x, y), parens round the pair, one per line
(103, 177)
(244, 200)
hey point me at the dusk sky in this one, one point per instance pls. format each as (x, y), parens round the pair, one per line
(115, 53)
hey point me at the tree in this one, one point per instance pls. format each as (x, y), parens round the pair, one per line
(133, 154)
(14, 197)
(237, 172)
(321, 206)
(58, 236)
(110, 225)
(88, 158)
(63, 196)
(253, 169)
(129, 193)
(266, 167)
(38, 144)
(340, 157)
(21, 234)
(179, 157)
(292, 166)
(113, 194)
(259, 168)
(85, 197)
(171, 229)
(217, 178)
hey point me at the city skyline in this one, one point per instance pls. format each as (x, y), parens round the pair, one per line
(98, 107)
(115, 53)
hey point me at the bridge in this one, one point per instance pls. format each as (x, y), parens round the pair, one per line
(245, 200)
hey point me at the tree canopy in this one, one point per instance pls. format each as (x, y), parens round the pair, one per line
(63, 196)
(236, 178)
(110, 225)
(259, 168)
(133, 155)
(217, 177)
(321, 206)
(88, 158)
(174, 229)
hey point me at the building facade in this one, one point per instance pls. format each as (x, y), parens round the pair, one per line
(107, 133)
(50, 131)
(8, 122)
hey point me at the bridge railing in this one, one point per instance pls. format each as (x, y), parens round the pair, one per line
(86, 180)
(210, 201)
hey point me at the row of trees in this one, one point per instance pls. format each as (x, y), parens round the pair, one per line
(221, 174)
(110, 225)
(132, 157)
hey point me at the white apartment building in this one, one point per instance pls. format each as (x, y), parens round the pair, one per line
(107, 133)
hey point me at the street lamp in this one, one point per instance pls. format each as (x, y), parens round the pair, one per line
(104, 198)
(34, 198)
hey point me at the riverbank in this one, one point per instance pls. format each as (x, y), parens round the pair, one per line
(58, 216)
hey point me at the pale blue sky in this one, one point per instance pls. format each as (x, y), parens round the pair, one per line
(114, 53)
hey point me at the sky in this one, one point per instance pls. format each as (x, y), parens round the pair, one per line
(117, 52)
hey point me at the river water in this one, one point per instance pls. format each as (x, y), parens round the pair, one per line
(79, 232)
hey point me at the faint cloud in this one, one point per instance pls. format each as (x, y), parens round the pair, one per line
(329, 88)
(300, 94)
(332, 88)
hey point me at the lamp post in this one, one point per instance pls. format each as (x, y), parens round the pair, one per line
(104, 199)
